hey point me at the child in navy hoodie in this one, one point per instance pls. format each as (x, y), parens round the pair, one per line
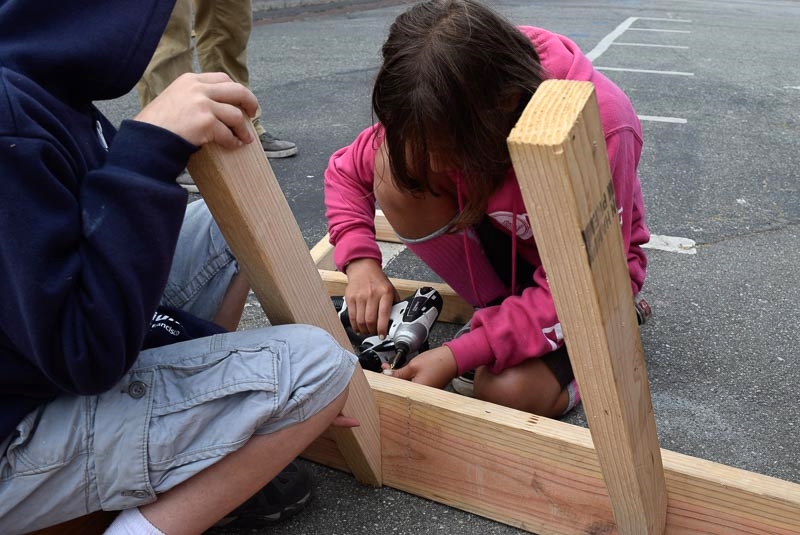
(120, 388)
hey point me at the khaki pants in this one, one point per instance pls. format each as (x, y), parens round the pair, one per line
(222, 29)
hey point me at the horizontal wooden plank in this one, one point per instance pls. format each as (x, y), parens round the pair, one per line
(383, 230)
(454, 310)
(322, 254)
(91, 524)
(543, 475)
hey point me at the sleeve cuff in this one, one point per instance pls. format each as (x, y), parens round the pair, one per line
(167, 153)
(359, 247)
(471, 350)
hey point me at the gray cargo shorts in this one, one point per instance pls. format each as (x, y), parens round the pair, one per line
(180, 409)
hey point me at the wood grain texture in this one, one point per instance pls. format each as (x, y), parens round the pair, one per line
(559, 155)
(243, 195)
(322, 254)
(383, 230)
(543, 475)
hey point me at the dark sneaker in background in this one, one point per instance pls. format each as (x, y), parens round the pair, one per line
(186, 181)
(464, 384)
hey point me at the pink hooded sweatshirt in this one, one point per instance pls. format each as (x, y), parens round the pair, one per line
(523, 326)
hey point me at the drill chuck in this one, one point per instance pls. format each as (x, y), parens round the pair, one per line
(416, 323)
(410, 336)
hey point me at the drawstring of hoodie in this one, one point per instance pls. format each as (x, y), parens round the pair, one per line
(514, 247)
(465, 239)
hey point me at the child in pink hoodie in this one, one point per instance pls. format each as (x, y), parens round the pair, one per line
(454, 80)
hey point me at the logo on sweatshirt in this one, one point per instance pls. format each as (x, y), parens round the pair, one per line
(521, 227)
(553, 335)
(166, 323)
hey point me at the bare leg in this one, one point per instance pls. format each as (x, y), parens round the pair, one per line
(230, 310)
(529, 386)
(198, 503)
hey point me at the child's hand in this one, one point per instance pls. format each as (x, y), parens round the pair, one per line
(204, 108)
(436, 367)
(345, 421)
(369, 296)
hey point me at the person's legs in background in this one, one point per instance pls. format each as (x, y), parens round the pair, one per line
(173, 57)
(223, 29)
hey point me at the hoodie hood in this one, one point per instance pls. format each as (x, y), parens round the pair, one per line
(89, 48)
(560, 57)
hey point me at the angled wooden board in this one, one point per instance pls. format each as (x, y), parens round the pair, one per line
(246, 200)
(559, 154)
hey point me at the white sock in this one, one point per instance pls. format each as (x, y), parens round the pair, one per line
(132, 522)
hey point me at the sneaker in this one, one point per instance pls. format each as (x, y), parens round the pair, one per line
(464, 384)
(283, 497)
(277, 148)
(186, 181)
(643, 310)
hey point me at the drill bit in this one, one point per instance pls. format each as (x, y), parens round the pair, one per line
(399, 358)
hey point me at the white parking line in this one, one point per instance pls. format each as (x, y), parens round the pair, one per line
(652, 45)
(665, 20)
(659, 119)
(658, 30)
(606, 41)
(389, 251)
(672, 244)
(646, 71)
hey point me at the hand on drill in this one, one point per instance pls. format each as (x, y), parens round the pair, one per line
(369, 296)
(435, 367)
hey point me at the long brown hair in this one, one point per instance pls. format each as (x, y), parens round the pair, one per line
(453, 77)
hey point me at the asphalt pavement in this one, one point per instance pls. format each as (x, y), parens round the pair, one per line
(719, 98)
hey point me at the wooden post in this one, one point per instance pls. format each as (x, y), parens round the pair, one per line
(91, 524)
(559, 155)
(243, 195)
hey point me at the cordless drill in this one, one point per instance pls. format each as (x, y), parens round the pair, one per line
(410, 323)
(415, 324)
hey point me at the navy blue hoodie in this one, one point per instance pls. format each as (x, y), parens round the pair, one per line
(86, 234)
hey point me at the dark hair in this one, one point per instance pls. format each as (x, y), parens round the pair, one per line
(455, 78)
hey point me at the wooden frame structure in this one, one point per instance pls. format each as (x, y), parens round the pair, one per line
(541, 475)
(618, 478)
